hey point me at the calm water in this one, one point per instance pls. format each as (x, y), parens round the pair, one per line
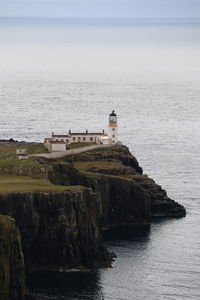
(60, 74)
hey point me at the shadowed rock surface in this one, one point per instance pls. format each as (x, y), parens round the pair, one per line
(12, 273)
(59, 230)
(106, 189)
(120, 168)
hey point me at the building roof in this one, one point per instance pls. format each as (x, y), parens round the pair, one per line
(87, 133)
(60, 135)
(21, 149)
(113, 113)
(57, 142)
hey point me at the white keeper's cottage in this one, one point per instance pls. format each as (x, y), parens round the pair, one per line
(58, 143)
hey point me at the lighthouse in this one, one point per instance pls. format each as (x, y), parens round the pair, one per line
(113, 127)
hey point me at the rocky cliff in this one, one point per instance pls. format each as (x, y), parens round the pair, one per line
(123, 201)
(59, 230)
(116, 174)
(12, 273)
(102, 188)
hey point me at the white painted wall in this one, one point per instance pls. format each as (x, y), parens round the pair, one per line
(58, 147)
(104, 141)
(21, 151)
(113, 133)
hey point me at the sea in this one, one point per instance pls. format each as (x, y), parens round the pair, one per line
(61, 74)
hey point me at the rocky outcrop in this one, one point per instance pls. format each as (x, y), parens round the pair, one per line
(12, 274)
(127, 170)
(161, 204)
(118, 153)
(106, 188)
(59, 230)
(123, 202)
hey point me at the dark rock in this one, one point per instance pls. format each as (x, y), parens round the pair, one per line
(123, 202)
(161, 204)
(12, 273)
(59, 230)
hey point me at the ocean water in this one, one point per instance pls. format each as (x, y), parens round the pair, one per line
(61, 74)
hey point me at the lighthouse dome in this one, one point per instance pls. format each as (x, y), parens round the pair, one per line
(113, 114)
(113, 117)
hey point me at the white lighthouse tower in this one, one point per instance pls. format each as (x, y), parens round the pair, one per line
(113, 128)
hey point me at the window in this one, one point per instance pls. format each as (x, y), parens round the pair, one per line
(91, 139)
(67, 141)
(74, 138)
(113, 135)
(113, 129)
(62, 140)
(83, 139)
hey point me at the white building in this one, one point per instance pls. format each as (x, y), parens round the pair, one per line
(21, 151)
(58, 143)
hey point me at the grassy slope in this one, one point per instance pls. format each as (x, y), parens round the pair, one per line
(12, 162)
(11, 183)
(36, 182)
(80, 145)
(9, 150)
(32, 176)
(6, 151)
(103, 165)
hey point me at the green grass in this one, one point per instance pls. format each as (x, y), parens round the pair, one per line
(10, 151)
(96, 176)
(7, 151)
(18, 184)
(10, 163)
(102, 165)
(34, 148)
(79, 145)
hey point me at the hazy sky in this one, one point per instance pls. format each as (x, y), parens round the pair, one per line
(101, 8)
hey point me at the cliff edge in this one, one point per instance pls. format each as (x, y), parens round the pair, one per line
(62, 205)
(112, 172)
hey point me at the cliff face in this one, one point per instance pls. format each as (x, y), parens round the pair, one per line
(59, 230)
(123, 202)
(120, 168)
(106, 188)
(12, 275)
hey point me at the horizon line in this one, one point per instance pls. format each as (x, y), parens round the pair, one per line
(100, 18)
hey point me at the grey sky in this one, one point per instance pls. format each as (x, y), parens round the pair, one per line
(102, 8)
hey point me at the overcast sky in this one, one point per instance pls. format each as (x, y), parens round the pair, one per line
(102, 8)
